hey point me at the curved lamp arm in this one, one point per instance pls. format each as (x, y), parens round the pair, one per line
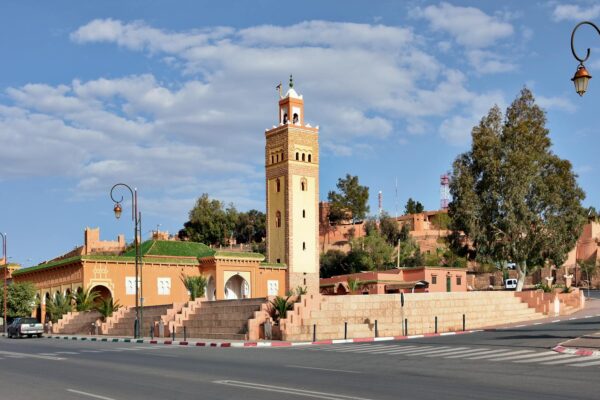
(582, 60)
(119, 201)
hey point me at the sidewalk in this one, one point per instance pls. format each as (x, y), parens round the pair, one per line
(586, 345)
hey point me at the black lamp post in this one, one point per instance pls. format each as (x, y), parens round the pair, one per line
(5, 291)
(582, 77)
(136, 216)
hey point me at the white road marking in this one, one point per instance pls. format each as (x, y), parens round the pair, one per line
(395, 347)
(514, 356)
(556, 320)
(498, 353)
(91, 351)
(403, 351)
(356, 349)
(542, 358)
(27, 355)
(469, 353)
(66, 352)
(419, 352)
(442, 353)
(288, 390)
(587, 364)
(95, 396)
(323, 369)
(566, 358)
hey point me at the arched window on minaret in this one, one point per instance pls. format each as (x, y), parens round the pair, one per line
(272, 159)
(295, 118)
(297, 156)
(278, 185)
(309, 157)
(285, 118)
(303, 185)
(303, 156)
(278, 219)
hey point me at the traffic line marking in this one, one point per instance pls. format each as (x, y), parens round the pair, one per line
(323, 369)
(289, 390)
(95, 396)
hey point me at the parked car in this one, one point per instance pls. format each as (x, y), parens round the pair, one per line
(510, 284)
(25, 327)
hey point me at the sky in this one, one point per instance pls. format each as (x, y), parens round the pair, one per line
(173, 98)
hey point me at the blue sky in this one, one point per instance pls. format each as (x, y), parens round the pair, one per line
(173, 97)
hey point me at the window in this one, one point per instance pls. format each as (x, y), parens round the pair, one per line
(130, 285)
(277, 158)
(303, 156)
(285, 118)
(297, 156)
(303, 213)
(303, 245)
(278, 260)
(278, 219)
(272, 288)
(295, 118)
(272, 159)
(309, 157)
(278, 185)
(433, 279)
(303, 185)
(164, 286)
(458, 280)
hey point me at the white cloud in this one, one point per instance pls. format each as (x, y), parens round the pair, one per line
(470, 26)
(204, 132)
(556, 103)
(574, 12)
(487, 62)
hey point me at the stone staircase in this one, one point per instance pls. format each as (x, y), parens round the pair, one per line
(122, 322)
(330, 313)
(77, 322)
(222, 319)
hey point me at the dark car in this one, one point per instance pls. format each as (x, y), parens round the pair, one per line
(25, 327)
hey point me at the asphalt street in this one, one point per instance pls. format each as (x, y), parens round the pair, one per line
(513, 363)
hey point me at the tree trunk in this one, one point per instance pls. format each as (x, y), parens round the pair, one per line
(522, 270)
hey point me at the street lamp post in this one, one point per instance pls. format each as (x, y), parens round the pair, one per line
(136, 216)
(5, 291)
(582, 77)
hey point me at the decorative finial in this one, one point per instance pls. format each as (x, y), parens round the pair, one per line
(291, 81)
(278, 88)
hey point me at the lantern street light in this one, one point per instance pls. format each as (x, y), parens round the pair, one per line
(136, 216)
(5, 291)
(582, 77)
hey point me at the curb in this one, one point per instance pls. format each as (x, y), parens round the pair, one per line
(256, 344)
(577, 351)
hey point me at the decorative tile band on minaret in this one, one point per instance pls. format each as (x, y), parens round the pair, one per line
(292, 193)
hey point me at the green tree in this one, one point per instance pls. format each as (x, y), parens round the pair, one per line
(20, 299)
(332, 263)
(58, 306)
(588, 269)
(196, 285)
(512, 196)
(107, 307)
(210, 222)
(354, 285)
(351, 199)
(251, 227)
(413, 207)
(389, 229)
(85, 300)
(376, 248)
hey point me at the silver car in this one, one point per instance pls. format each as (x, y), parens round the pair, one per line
(25, 327)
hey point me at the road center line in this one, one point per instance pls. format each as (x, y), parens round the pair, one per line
(288, 390)
(95, 396)
(324, 369)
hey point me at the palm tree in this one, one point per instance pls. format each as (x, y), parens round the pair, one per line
(354, 285)
(107, 307)
(58, 306)
(85, 299)
(279, 308)
(196, 285)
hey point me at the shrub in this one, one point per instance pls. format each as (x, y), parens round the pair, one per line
(279, 308)
(85, 299)
(58, 306)
(196, 285)
(107, 307)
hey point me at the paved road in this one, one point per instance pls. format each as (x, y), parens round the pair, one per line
(507, 364)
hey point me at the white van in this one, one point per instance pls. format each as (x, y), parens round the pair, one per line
(510, 284)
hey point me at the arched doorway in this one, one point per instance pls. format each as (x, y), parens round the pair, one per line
(104, 293)
(38, 310)
(211, 290)
(237, 288)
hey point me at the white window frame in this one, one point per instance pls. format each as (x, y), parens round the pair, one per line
(273, 287)
(130, 285)
(163, 285)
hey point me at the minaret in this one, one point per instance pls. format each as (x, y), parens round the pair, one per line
(292, 178)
